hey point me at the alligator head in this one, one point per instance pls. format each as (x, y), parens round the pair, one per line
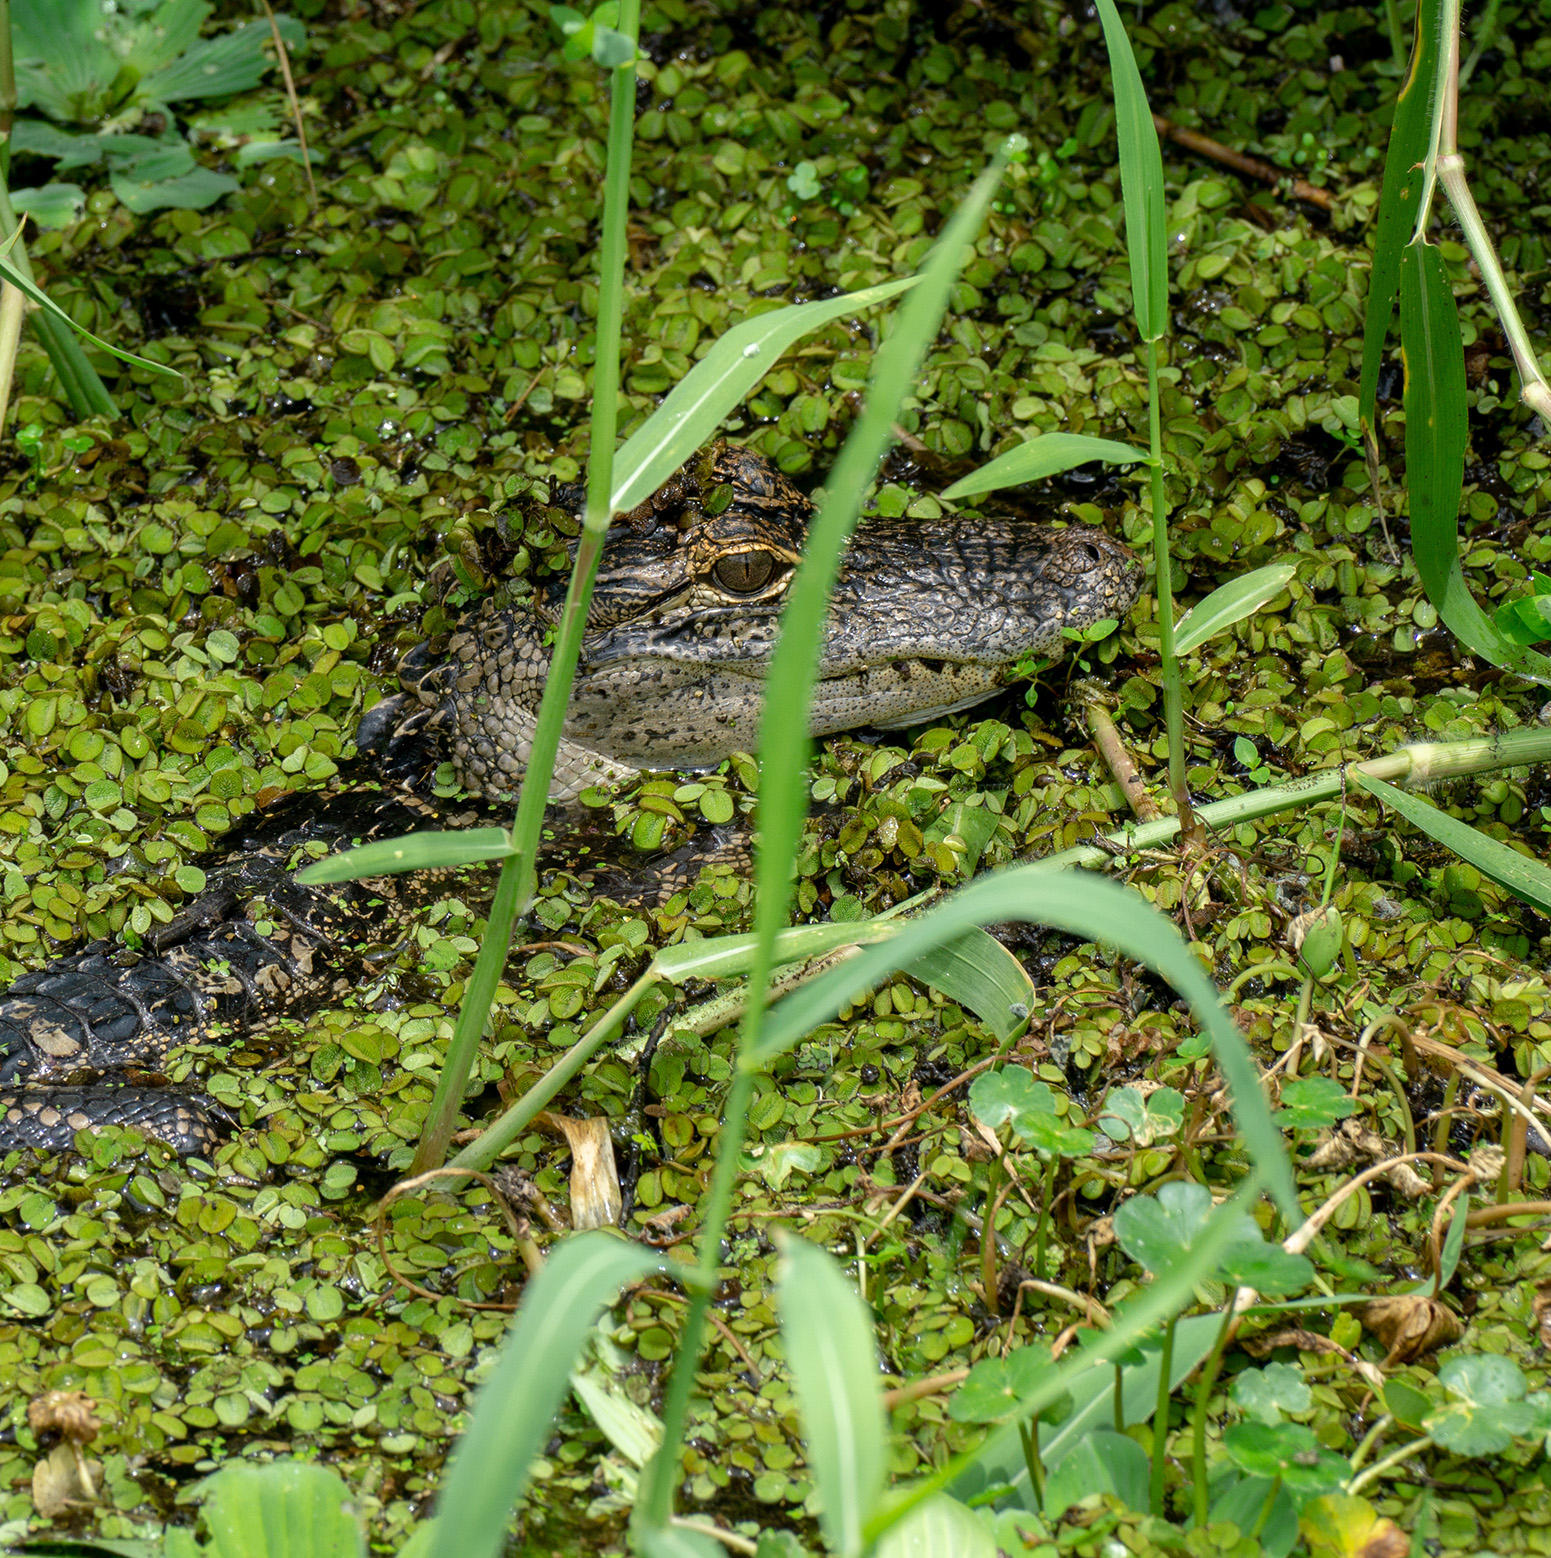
(928, 616)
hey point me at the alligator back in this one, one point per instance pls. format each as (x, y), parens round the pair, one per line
(255, 945)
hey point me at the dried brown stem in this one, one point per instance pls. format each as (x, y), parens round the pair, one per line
(1250, 167)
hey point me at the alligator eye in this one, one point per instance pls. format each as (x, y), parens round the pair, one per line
(744, 573)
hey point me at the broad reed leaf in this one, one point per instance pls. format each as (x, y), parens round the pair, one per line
(1518, 874)
(287, 1509)
(1230, 603)
(974, 969)
(514, 1408)
(1436, 435)
(1083, 905)
(674, 1541)
(978, 972)
(940, 1528)
(1399, 201)
(428, 851)
(1036, 458)
(1141, 180)
(717, 384)
(826, 1333)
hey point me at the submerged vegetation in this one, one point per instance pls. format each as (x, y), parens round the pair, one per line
(379, 397)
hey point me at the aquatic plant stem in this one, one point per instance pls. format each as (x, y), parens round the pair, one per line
(1389, 1463)
(481, 1153)
(1446, 166)
(7, 91)
(1163, 584)
(1160, 1422)
(1209, 1372)
(1421, 763)
(514, 891)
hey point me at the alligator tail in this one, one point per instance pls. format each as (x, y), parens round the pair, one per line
(254, 946)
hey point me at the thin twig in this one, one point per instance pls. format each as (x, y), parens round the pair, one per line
(283, 54)
(1250, 167)
(1118, 759)
(533, 1259)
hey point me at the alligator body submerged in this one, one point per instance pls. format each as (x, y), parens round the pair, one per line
(927, 617)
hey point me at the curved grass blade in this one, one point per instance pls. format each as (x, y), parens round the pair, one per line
(1521, 875)
(1399, 202)
(1436, 435)
(717, 384)
(1230, 603)
(31, 290)
(429, 851)
(784, 746)
(826, 1331)
(1158, 1301)
(515, 1406)
(727, 957)
(1083, 905)
(1047, 455)
(1141, 180)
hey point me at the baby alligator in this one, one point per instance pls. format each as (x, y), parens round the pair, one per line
(928, 617)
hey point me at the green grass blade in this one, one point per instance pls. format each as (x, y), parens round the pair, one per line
(1230, 603)
(1082, 905)
(1436, 435)
(1093, 1406)
(978, 972)
(1399, 202)
(1522, 875)
(429, 851)
(514, 1408)
(826, 1333)
(1156, 1302)
(31, 290)
(784, 748)
(84, 390)
(1141, 180)
(675, 1542)
(727, 957)
(1047, 455)
(718, 383)
(514, 888)
(784, 743)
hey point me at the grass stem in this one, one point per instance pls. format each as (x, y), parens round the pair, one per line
(514, 891)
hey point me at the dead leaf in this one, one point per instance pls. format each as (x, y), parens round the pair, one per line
(596, 1199)
(1340, 1525)
(1541, 1309)
(71, 1414)
(64, 1480)
(1409, 1325)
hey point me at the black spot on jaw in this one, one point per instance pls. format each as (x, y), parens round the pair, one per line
(934, 667)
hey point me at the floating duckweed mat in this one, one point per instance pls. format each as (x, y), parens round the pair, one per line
(382, 401)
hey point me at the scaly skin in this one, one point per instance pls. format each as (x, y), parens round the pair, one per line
(927, 617)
